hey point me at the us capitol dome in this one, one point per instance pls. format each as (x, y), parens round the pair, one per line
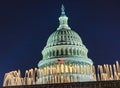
(65, 57)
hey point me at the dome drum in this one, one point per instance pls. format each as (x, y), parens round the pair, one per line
(67, 60)
(64, 78)
(64, 50)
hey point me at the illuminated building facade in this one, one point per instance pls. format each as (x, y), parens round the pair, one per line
(65, 61)
(65, 56)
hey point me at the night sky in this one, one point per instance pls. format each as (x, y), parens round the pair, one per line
(25, 26)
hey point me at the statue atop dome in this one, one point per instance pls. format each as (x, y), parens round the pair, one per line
(63, 20)
(62, 10)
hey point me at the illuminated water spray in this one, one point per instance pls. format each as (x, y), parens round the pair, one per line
(59, 75)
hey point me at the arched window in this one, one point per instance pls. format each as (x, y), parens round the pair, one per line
(66, 52)
(70, 51)
(53, 52)
(78, 52)
(61, 51)
(74, 52)
(50, 53)
(57, 52)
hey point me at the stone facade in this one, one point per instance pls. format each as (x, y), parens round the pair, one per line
(97, 84)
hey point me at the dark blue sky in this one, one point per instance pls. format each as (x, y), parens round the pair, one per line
(25, 26)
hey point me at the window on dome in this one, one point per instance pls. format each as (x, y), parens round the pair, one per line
(74, 52)
(70, 51)
(77, 52)
(57, 52)
(66, 52)
(61, 51)
(53, 52)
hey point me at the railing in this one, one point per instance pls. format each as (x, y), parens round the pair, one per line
(97, 84)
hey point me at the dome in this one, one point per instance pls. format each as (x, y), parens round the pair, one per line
(65, 57)
(64, 42)
(64, 37)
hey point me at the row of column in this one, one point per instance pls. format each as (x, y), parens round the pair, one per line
(57, 79)
(66, 69)
(69, 51)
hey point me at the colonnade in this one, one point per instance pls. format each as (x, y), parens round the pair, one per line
(66, 69)
(58, 73)
(56, 51)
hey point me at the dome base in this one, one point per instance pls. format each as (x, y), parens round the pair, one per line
(64, 78)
